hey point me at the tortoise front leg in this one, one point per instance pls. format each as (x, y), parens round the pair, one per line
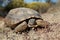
(21, 27)
(42, 23)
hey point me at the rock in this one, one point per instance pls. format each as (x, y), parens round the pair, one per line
(2, 25)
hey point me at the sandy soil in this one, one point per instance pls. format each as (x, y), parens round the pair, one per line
(41, 34)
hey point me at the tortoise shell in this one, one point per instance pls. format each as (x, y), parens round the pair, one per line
(20, 14)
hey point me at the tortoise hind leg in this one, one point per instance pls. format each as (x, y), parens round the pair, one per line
(21, 27)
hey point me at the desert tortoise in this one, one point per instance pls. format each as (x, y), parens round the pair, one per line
(21, 18)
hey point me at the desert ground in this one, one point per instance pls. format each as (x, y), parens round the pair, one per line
(53, 33)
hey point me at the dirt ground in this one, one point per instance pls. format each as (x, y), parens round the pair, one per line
(41, 34)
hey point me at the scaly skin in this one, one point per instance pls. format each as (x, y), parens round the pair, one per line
(42, 23)
(21, 27)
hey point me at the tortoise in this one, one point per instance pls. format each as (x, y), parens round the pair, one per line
(21, 18)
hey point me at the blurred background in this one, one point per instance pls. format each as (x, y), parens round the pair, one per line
(40, 6)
